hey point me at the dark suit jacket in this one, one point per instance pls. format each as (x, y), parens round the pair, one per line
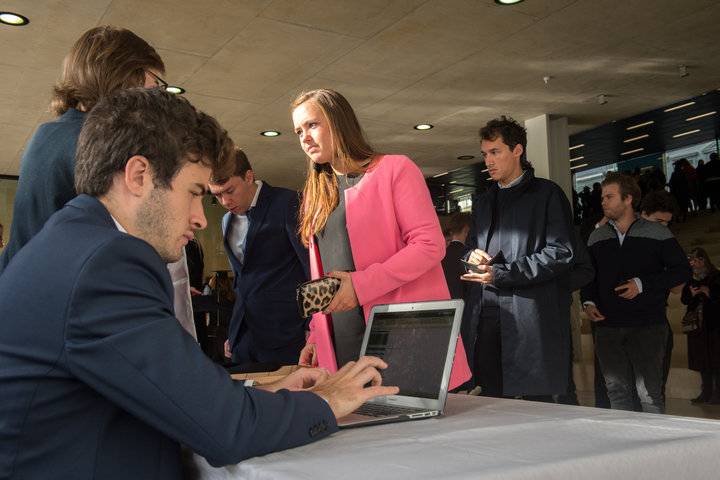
(99, 380)
(275, 263)
(47, 179)
(453, 269)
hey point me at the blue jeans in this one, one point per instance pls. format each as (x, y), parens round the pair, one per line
(633, 354)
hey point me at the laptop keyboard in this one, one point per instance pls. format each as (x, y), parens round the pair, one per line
(380, 410)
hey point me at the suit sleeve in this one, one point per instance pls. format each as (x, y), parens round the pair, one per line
(424, 243)
(123, 341)
(550, 261)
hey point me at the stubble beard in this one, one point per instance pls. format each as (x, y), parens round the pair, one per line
(151, 225)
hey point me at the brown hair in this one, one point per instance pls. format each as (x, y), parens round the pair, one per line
(240, 167)
(320, 194)
(103, 60)
(626, 184)
(699, 252)
(164, 128)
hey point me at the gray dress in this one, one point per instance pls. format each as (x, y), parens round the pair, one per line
(336, 254)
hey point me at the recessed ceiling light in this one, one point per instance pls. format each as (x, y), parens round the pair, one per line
(686, 133)
(270, 133)
(423, 126)
(576, 158)
(635, 138)
(466, 157)
(508, 2)
(579, 166)
(14, 19)
(576, 146)
(679, 106)
(175, 90)
(640, 125)
(440, 174)
(700, 116)
(632, 151)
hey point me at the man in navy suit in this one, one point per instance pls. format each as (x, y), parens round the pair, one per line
(268, 262)
(97, 377)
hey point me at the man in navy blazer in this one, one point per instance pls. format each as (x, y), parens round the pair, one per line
(268, 262)
(97, 377)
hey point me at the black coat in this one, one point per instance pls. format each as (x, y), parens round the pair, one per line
(536, 236)
(704, 344)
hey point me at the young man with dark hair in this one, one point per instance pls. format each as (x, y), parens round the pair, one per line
(636, 262)
(97, 378)
(659, 207)
(453, 269)
(517, 314)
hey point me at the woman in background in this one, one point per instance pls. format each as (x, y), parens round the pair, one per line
(704, 343)
(368, 220)
(102, 60)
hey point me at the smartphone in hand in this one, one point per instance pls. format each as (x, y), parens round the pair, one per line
(472, 267)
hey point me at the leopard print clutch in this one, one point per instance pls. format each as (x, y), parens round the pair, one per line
(315, 295)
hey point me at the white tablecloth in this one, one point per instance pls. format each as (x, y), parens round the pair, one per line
(480, 437)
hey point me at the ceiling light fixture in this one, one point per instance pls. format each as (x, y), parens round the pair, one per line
(576, 146)
(601, 99)
(13, 19)
(700, 116)
(686, 133)
(635, 138)
(508, 2)
(440, 174)
(683, 71)
(576, 158)
(640, 125)
(466, 157)
(632, 151)
(423, 126)
(483, 171)
(175, 90)
(679, 107)
(579, 166)
(270, 133)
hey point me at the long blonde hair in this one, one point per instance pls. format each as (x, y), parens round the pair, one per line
(350, 148)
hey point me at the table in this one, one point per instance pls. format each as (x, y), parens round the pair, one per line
(479, 438)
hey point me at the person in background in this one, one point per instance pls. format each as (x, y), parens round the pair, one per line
(102, 60)
(636, 262)
(453, 269)
(703, 345)
(368, 220)
(517, 318)
(268, 262)
(112, 385)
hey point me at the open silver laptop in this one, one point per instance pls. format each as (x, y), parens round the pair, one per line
(417, 340)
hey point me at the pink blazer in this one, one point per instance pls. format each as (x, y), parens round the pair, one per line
(397, 246)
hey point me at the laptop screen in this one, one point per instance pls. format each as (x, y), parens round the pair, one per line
(414, 344)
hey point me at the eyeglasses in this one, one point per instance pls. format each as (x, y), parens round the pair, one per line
(162, 82)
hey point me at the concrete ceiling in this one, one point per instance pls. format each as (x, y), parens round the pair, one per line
(452, 63)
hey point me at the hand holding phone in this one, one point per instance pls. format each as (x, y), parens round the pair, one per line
(473, 267)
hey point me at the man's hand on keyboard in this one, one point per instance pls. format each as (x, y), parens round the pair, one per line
(345, 390)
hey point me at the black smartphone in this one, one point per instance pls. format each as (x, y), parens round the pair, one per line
(622, 290)
(471, 267)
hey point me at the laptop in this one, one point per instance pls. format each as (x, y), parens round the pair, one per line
(417, 341)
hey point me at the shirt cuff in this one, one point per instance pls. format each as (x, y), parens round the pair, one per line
(639, 284)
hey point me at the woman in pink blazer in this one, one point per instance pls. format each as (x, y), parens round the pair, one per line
(368, 220)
